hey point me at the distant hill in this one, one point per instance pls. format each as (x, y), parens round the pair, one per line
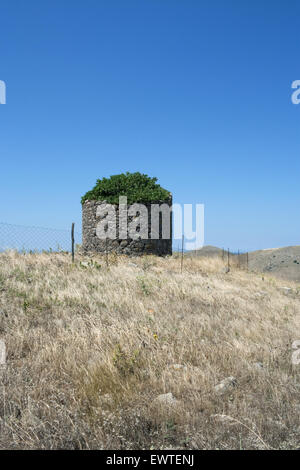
(283, 262)
(207, 250)
(280, 262)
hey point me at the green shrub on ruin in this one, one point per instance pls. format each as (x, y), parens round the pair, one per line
(137, 187)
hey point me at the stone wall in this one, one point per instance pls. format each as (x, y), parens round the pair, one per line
(129, 246)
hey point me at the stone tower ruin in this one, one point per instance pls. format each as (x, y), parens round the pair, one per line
(156, 226)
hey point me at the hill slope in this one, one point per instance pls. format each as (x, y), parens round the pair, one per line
(283, 263)
(134, 355)
(207, 250)
(280, 262)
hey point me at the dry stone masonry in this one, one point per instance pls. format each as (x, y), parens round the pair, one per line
(129, 246)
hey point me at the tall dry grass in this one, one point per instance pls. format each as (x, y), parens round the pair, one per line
(89, 348)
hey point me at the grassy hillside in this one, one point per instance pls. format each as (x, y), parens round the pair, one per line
(92, 350)
(283, 263)
(280, 262)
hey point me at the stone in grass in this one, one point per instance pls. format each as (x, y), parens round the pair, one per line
(178, 367)
(261, 294)
(2, 353)
(84, 264)
(106, 399)
(184, 368)
(166, 399)
(222, 418)
(258, 365)
(286, 290)
(225, 270)
(225, 385)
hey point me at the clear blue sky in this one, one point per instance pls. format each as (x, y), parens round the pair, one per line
(197, 93)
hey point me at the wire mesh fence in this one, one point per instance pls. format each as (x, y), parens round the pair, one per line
(36, 239)
(238, 259)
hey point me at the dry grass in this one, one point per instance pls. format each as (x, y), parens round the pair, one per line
(90, 347)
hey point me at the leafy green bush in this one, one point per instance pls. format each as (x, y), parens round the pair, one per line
(136, 186)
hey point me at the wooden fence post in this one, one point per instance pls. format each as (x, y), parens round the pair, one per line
(106, 253)
(182, 254)
(72, 239)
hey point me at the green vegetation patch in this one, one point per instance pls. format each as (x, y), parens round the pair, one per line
(136, 186)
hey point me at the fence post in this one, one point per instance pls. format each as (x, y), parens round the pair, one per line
(182, 254)
(228, 259)
(106, 253)
(72, 239)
